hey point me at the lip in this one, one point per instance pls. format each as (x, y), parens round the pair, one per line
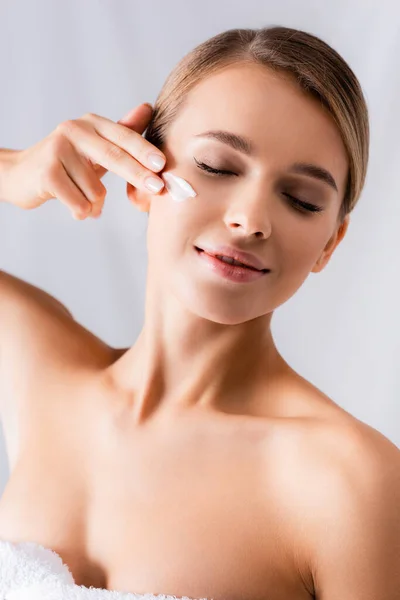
(231, 272)
(246, 258)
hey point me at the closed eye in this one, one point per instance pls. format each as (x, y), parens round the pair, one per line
(295, 202)
(205, 167)
(303, 206)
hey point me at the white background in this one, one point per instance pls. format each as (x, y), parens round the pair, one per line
(60, 60)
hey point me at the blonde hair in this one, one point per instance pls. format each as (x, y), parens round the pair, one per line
(316, 67)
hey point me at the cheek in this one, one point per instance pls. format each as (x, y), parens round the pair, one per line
(300, 248)
(172, 225)
(178, 188)
(185, 203)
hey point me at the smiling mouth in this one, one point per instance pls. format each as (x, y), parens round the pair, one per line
(243, 266)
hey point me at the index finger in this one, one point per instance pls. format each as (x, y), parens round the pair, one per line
(136, 119)
(135, 145)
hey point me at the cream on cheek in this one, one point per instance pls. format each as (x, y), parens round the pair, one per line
(178, 188)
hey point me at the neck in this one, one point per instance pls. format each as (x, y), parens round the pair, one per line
(183, 361)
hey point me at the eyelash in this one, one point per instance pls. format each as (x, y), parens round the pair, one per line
(297, 204)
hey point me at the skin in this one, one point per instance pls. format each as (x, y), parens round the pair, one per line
(248, 210)
(172, 466)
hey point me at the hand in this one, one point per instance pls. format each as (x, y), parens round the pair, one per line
(69, 163)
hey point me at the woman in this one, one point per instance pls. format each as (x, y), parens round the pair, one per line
(198, 462)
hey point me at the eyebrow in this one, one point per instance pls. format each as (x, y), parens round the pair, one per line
(244, 145)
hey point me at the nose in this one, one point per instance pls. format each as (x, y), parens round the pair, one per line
(249, 213)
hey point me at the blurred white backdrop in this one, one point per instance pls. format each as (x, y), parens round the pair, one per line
(60, 60)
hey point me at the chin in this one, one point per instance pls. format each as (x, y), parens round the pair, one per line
(213, 304)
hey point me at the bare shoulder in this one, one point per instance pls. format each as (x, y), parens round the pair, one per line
(350, 442)
(354, 534)
(45, 356)
(17, 294)
(347, 510)
(334, 429)
(352, 457)
(38, 332)
(343, 449)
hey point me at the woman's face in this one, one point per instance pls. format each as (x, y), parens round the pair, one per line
(250, 208)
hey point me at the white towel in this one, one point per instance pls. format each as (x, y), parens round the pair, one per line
(29, 571)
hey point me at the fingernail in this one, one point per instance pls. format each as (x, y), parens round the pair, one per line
(156, 160)
(153, 184)
(178, 187)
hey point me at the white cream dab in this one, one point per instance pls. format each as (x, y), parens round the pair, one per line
(178, 187)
